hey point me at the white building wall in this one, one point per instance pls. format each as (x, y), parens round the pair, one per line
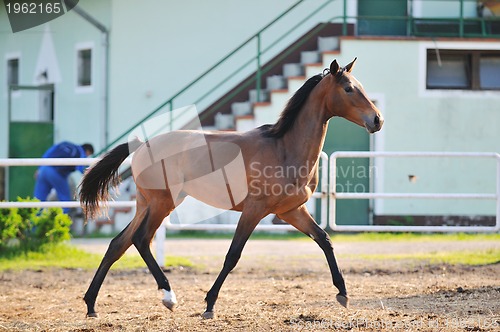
(158, 47)
(417, 119)
(52, 47)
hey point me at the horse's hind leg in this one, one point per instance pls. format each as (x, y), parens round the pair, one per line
(116, 249)
(302, 220)
(158, 210)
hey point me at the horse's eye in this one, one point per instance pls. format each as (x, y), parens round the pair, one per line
(348, 89)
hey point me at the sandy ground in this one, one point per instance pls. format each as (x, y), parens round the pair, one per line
(277, 286)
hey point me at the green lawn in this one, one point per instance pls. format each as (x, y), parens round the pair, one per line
(470, 258)
(414, 237)
(66, 256)
(345, 237)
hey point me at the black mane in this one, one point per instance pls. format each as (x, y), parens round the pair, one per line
(291, 110)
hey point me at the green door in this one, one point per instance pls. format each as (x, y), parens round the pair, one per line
(353, 174)
(390, 13)
(27, 140)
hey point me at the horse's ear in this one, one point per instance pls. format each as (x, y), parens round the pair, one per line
(334, 68)
(349, 67)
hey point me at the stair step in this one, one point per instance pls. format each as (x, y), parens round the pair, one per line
(252, 113)
(293, 69)
(224, 121)
(310, 57)
(295, 83)
(241, 108)
(313, 69)
(264, 96)
(275, 82)
(328, 44)
(245, 123)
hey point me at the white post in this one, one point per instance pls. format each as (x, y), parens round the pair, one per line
(160, 242)
(497, 224)
(324, 190)
(333, 191)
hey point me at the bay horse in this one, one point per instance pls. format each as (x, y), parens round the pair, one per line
(295, 141)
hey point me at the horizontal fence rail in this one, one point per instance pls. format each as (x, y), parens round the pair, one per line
(321, 195)
(334, 195)
(55, 162)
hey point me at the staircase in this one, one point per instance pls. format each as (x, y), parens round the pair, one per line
(266, 106)
(242, 107)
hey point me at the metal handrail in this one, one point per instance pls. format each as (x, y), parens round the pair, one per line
(9, 162)
(252, 38)
(343, 19)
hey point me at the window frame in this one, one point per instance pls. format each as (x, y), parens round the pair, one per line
(10, 57)
(472, 67)
(78, 49)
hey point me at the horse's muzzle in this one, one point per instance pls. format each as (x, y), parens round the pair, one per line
(375, 125)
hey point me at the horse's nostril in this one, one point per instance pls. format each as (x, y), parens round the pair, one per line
(377, 120)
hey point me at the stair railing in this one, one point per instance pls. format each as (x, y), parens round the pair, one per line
(260, 52)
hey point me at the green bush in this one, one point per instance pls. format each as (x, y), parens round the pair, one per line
(31, 228)
(10, 221)
(52, 226)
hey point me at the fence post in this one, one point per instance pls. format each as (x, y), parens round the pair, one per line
(324, 190)
(160, 242)
(332, 222)
(497, 224)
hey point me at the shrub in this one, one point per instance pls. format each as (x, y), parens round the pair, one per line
(31, 228)
(52, 226)
(9, 225)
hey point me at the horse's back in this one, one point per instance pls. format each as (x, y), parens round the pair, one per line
(208, 166)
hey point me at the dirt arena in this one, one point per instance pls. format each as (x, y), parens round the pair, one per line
(277, 286)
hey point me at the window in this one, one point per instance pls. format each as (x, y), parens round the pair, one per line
(489, 72)
(13, 71)
(465, 70)
(84, 67)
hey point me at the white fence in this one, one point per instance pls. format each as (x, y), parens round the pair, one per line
(382, 228)
(322, 195)
(327, 194)
(53, 162)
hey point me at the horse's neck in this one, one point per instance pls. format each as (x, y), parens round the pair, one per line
(304, 141)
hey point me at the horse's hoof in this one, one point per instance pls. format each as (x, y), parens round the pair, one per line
(343, 300)
(92, 315)
(169, 299)
(208, 315)
(169, 304)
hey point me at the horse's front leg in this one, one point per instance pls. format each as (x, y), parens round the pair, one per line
(304, 222)
(248, 220)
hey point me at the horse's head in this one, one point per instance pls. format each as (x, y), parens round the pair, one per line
(350, 100)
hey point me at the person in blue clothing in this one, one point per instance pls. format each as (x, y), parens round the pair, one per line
(56, 177)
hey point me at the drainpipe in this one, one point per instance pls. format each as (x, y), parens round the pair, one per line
(105, 65)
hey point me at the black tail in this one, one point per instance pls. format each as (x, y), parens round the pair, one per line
(95, 183)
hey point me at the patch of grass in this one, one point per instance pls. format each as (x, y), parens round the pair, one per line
(414, 237)
(336, 237)
(470, 258)
(66, 256)
(192, 234)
